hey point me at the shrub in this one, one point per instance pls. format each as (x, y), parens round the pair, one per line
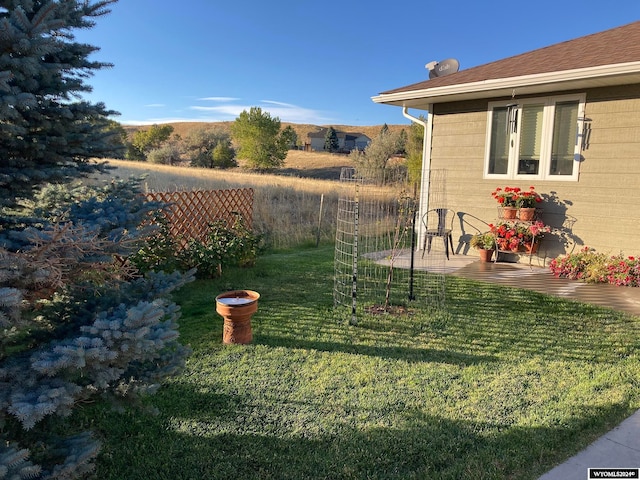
(167, 154)
(224, 246)
(76, 324)
(159, 251)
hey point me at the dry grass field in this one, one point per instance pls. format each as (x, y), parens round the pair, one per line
(286, 205)
(298, 205)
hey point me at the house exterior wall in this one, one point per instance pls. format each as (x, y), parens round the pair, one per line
(346, 141)
(317, 144)
(599, 210)
(362, 141)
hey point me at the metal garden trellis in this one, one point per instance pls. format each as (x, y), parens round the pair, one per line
(375, 248)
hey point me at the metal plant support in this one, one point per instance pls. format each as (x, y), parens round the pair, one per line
(375, 264)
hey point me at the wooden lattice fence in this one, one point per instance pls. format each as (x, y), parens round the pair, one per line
(191, 213)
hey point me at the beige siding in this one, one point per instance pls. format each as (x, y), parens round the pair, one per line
(602, 205)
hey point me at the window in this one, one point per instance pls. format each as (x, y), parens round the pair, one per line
(535, 138)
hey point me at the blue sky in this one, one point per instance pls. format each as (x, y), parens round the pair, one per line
(317, 62)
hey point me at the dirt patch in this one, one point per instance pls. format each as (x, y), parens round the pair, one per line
(397, 310)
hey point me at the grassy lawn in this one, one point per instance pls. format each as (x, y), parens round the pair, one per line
(503, 384)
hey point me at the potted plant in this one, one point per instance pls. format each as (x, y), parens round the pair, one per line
(507, 198)
(506, 235)
(516, 202)
(526, 203)
(534, 233)
(518, 237)
(485, 243)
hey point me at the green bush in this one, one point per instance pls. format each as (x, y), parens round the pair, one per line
(225, 245)
(159, 251)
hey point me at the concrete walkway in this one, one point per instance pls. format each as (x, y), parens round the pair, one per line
(620, 448)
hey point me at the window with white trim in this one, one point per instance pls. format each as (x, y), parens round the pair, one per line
(534, 138)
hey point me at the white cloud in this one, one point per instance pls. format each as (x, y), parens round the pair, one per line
(286, 112)
(219, 99)
(159, 121)
(229, 108)
(155, 105)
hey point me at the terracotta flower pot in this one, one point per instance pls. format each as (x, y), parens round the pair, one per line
(509, 213)
(237, 307)
(527, 214)
(485, 255)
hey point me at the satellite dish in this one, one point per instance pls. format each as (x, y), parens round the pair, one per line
(443, 68)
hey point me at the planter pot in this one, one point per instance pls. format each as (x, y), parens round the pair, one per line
(485, 255)
(509, 213)
(502, 243)
(237, 307)
(527, 214)
(531, 247)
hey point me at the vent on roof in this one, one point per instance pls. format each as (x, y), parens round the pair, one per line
(443, 68)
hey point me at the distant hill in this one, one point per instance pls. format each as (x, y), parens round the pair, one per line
(302, 130)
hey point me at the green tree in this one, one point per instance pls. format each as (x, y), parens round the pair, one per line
(44, 134)
(259, 139)
(372, 162)
(402, 142)
(145, 140)
(331, 143)
(77, 325)
(290, 136)
(116, 137)
(224, 156)
(209, 148)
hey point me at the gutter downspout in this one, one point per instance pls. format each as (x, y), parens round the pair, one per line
(426, 167)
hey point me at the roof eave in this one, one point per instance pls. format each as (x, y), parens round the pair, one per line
(590, 77)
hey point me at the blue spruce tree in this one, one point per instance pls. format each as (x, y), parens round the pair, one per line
(76, 321)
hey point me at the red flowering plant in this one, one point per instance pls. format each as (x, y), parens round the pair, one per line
(528, 198)
(590, 266)
(516, 197)
(624, 271)
(508, 235)
(515, 235)
(507, 196)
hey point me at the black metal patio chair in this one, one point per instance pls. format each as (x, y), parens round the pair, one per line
(438, 222)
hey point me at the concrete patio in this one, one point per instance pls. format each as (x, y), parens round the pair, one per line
(522, 275)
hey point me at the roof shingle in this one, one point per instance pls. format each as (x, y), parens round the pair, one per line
(615, 46)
